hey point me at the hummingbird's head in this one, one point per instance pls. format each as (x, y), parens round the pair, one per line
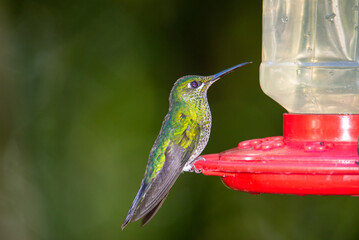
(191, 88)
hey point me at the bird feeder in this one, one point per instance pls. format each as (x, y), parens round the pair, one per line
(310, 66)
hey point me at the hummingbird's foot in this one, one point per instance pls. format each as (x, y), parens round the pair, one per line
(189, 167)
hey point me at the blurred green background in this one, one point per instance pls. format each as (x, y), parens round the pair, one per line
(84, 87)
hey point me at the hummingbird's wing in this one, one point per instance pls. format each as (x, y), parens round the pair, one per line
(177, 153)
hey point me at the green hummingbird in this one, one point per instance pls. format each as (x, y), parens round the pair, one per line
(184, 134)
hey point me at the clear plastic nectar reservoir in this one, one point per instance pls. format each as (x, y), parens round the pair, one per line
(310, 57)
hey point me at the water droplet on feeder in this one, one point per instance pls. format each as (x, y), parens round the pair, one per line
(284, 19)
(330, 17)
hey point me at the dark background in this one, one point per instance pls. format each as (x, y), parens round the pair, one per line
(84, 87)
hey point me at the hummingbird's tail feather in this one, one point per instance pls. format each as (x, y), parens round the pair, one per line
(156, 194)
(134, 204)
(161, 185)
(152, 213)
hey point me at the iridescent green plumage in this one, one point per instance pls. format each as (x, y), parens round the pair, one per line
(182, 124)
(183, 136)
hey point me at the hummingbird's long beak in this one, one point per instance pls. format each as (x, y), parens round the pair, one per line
(224, 72)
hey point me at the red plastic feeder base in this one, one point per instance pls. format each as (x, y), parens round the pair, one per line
(317, 155)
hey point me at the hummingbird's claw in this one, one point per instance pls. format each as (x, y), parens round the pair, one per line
(189, 167)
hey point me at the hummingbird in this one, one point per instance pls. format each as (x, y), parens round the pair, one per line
(183, 136)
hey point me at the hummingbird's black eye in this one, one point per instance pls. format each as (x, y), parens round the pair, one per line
(195, 84)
